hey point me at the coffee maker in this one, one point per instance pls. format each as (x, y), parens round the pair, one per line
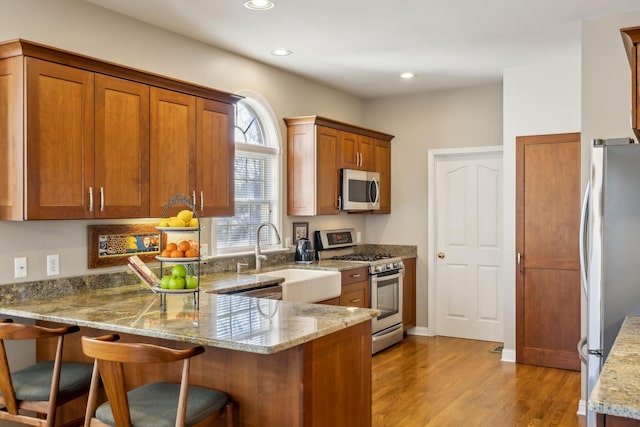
(304, 251)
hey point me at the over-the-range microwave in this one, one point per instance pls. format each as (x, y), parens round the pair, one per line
(360, 190)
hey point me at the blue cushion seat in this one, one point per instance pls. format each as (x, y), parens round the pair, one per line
(155, 405)
(34, 382)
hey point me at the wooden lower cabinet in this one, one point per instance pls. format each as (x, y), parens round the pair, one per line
(614, 421)
(324, 382)
(409, 294)
(355, 288)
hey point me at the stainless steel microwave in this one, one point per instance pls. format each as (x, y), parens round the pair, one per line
(360, 190)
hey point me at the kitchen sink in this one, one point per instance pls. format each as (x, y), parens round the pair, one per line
(304, 285)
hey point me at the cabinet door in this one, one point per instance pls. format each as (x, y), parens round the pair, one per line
(173, 148)
(382, 165)
(327, 175)
(215, 158)
(122, 148)
(366, 152)
(349, 155)
(60, 141)
(409, 294)
(11, 139)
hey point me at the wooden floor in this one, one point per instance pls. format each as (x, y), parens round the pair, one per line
(440, 381)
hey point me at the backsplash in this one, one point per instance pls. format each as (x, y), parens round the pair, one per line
(69, 285)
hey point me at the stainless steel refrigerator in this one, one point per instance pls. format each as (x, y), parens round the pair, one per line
(610, 248)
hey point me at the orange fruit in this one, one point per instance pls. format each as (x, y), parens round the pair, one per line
(191, 253)
(177, 254)
(172, 246)
(184, 246)
(166, 253)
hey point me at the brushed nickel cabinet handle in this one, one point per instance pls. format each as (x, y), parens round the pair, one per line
(201, 200)
(355, 300)
(90, 199)
(193, 197)
(101, 199)
(356, 275)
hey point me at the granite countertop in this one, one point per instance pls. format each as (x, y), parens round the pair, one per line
(617, 391)
(234, 322)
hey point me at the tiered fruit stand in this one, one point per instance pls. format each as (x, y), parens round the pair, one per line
(191, 263)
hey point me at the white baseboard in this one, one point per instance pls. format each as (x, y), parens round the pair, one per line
(508, 355)
(419, 330)
(582, 408)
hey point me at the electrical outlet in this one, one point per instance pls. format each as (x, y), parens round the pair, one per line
(358, 237)
(20, 267)
(53, 265)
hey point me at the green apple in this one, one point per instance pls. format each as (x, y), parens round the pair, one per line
(164, 282)
(191, 282)
(176, 283)
(179, 271)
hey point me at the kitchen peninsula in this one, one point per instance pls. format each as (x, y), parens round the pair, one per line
(284, 363)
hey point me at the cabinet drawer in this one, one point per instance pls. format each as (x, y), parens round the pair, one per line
(355, 275)
(354, 296)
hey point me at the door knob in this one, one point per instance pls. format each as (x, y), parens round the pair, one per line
(441, 255)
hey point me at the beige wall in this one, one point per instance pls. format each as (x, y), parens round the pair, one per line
(470, 117)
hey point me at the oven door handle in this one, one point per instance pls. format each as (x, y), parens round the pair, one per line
(376, 278)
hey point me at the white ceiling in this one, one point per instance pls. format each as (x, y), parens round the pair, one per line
(361, 46)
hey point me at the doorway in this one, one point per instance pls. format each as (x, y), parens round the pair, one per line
(548, 261)
(465, 243)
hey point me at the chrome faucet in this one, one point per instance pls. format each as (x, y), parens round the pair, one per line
(259, 255)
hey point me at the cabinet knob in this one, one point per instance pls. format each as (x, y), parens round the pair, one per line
(441, 255)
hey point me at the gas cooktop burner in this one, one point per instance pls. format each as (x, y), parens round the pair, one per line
(361, 257)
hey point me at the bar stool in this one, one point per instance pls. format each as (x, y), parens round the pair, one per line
(43, 387)
(156, 404)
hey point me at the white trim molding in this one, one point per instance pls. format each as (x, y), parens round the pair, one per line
(508, 355)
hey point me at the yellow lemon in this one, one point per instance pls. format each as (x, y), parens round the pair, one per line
(164, 222)
(194, 223)
(176, 222)
(185, 215)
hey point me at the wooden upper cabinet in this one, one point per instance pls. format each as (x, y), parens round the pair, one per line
(356, 151)
(11, 146)
(631, 38)
(173, 147)
(59, 141)
(382, 165)
(312, 177)
(215, 158)
(317, 149)
(121, 148)
(90, 139)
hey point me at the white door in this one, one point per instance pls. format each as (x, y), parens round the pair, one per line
(468, 240)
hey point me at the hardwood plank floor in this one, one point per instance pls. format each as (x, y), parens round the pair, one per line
(441, 381)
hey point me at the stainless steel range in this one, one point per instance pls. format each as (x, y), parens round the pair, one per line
(385, 282)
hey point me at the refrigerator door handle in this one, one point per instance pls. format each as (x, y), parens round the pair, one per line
(581, 346)
(584, 230)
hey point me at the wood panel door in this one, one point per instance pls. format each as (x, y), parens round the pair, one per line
(173, 147)
(349, 157)
(60, 141)
(215, 158)
(121, 148)
(547, 235)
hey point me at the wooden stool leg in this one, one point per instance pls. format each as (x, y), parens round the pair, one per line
(229, 414)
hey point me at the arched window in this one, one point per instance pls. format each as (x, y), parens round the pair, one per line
(256, 178)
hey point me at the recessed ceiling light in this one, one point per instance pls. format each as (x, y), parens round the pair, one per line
(259, 4)
(407, 75)
(281, 52)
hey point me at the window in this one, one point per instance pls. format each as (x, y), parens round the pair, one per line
(256, 180)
